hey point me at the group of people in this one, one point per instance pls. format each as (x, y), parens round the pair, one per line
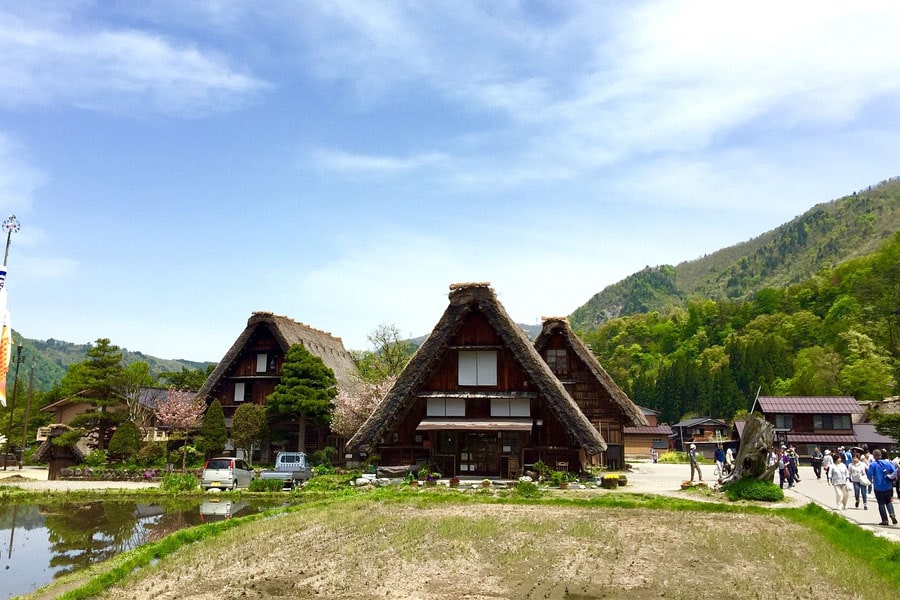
(863, 473)
(788, 462)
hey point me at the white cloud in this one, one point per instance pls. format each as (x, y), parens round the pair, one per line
(336, 160)
(120, 70)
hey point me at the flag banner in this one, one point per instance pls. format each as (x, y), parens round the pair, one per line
(5, 337)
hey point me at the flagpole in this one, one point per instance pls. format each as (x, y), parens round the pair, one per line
(11, 225)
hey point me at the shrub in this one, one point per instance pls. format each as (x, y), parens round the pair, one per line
(150, 454)
(125, 442)
(178, 482)
(96, 458)
(323, 470)
(266, 485)
(324, 457)
(753, 489)
(675, 457)
(542, 469)
(527, 489)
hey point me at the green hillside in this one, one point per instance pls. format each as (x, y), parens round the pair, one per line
(52, 357)
(823, 237)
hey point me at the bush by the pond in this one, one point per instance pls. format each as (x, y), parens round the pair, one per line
(753, 489)
(266, 485)
(178, 482)
(151, 453)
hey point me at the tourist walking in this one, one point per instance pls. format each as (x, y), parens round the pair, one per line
(720, 463)
(692, 456)
(882, 473)
(858, 475)
(839, 478)
(827, 463)
(817, 457)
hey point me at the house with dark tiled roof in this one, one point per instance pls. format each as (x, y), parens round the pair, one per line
(705, 432)
(810, 421)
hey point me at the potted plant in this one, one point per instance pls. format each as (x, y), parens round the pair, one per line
(432, 478)
(454, 481)
(609, 481)
(485, 483)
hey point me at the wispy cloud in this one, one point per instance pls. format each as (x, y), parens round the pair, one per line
(121, 70)
(339, 161)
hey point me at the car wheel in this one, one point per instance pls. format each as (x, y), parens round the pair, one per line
(234, 485)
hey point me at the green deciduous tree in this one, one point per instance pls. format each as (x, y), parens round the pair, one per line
(187, 379)
(305, 391)
(248, 426)
(389, 355)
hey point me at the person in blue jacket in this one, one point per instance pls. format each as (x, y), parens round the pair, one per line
(882, 473)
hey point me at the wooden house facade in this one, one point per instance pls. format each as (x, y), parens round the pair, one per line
(811, 421)
(603, 402)
(251, 369)
(477, 400)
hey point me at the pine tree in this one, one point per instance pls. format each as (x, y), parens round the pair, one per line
(98, 382)
(213, 431)
(305, 391)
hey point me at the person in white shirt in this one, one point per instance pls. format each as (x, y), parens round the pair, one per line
(839, 477)
(857, 469)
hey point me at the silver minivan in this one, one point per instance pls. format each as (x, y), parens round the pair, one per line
(226, 473)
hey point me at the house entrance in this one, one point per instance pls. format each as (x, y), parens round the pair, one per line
(479, 454)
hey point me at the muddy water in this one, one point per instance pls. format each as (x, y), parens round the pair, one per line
(40, 542)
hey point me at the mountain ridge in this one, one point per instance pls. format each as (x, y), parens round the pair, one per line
(826, 235)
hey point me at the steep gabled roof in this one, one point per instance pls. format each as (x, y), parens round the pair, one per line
(466, 299)
(289, 332)
(560, 326)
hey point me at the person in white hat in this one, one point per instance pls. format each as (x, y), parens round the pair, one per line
(692, 455)
(827, 463)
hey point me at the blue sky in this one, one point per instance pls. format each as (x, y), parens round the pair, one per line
(178, 165)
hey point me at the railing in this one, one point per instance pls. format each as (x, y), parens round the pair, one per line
(152, 434)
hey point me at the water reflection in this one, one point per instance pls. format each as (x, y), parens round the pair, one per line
(44, 541)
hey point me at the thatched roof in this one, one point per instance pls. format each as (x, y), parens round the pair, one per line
(560, 326)
(289, 332)
(80, 450)
(466, 299)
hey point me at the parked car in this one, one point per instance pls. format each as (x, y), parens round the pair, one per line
(226, 473)
(292, 468)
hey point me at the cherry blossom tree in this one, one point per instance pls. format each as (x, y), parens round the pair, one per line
(353, 407)
(183, 412)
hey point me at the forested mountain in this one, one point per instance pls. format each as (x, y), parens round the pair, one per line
(836, 333)
(823, 237)
(52, 357)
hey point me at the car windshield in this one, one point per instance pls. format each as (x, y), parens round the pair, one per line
(218, 464)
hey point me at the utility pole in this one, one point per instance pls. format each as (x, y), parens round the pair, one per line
(27, 414)
(12, 406)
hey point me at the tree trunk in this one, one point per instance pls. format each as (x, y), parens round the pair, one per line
(756, 442)
(301, 435)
